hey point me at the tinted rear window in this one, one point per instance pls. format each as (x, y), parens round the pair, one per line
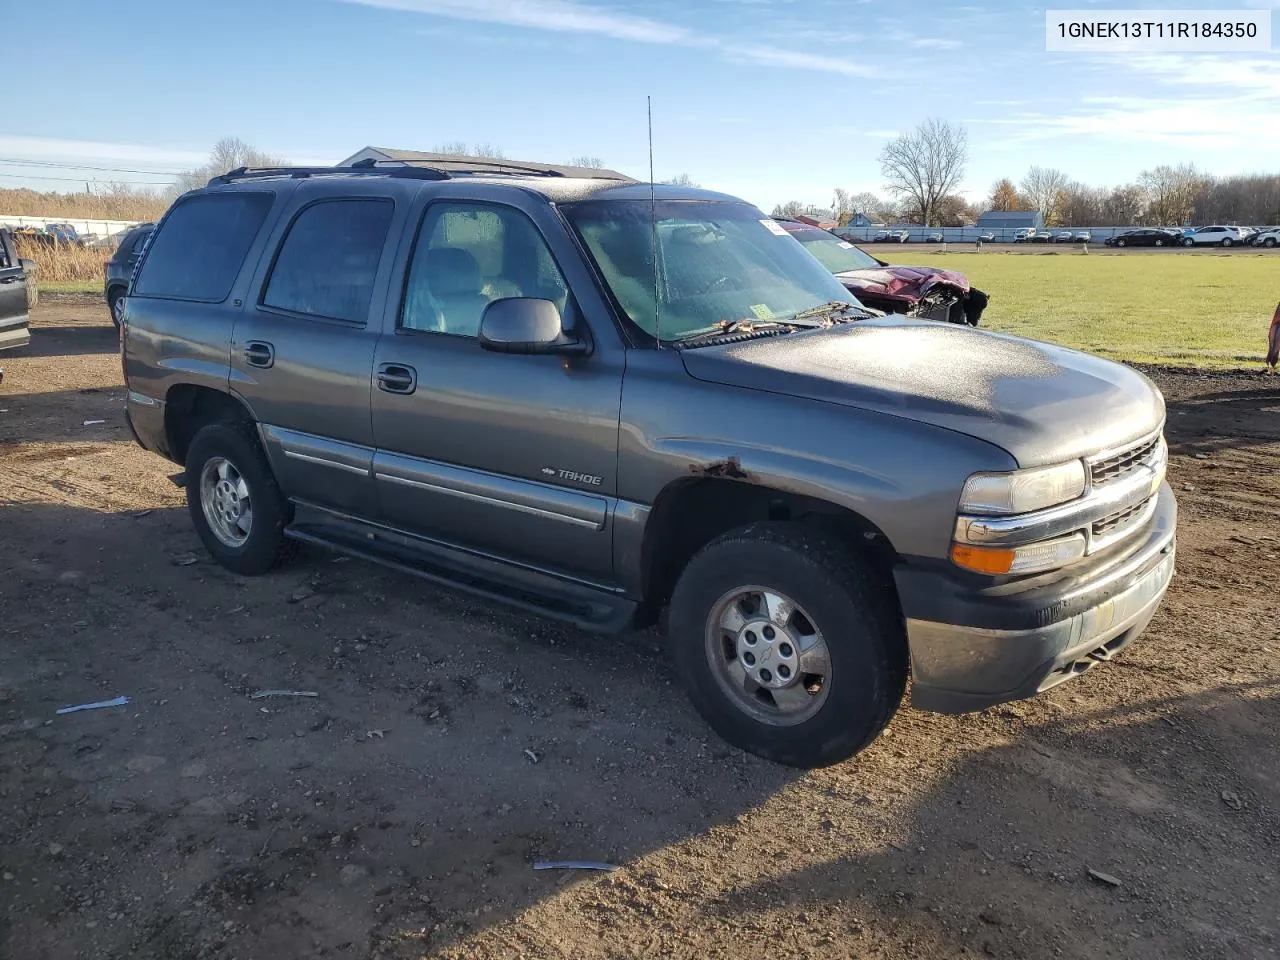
(199, 249)
(329, 258)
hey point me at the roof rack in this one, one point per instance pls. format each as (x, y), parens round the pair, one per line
(425, 166)
(299, 173)
(450, 163)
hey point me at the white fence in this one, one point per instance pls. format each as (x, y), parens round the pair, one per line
(102, 228)
(971, 234)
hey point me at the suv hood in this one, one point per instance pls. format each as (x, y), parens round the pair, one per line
(900, 283)
(1039, 402)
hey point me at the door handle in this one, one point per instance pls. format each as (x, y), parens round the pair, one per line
(397, 378)
(259, 353)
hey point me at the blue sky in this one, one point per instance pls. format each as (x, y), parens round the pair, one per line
(768, 99)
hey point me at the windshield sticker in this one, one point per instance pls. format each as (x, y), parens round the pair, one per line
(762, 311)
(845, 245)
(774, 227)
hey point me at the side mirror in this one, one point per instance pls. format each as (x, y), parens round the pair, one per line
(525, 325)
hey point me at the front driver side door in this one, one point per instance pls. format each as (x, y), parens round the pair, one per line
(510, 455)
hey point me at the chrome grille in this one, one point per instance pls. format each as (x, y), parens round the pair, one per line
(1113, 466)
(1118, 525)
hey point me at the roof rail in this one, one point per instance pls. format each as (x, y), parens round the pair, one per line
(425, 166)
(449, 163)
(299, 173)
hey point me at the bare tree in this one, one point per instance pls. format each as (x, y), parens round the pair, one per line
(1123, 206)
(847, 204)
(463, 149)
(1040, 186)
(229, 153)
(594, 163)
(925, 165)
(1079, 205)
(681, 180)
(1172, 192)
(794, 208)
(1248, 198)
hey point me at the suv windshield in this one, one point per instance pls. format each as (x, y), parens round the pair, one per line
(718, 262)
(833, 253)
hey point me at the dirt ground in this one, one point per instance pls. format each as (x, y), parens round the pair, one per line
(398, 813)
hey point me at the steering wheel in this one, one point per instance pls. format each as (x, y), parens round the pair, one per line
(715, 285)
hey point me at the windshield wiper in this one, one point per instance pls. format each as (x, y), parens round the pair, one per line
(832, 310)
(740, 328)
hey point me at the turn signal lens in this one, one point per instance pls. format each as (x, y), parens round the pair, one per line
(1031, 558)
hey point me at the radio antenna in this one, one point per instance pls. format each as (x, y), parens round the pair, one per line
(653, 224)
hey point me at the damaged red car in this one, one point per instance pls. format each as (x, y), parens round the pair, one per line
(926, 292)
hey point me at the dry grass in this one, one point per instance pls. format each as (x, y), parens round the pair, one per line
(116, 204)
(63, 262)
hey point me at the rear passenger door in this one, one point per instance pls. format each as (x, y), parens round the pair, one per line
(302, 354)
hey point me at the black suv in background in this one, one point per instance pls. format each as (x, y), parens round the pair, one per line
(118, 270)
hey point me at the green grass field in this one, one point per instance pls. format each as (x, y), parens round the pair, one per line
(71, 286)
(1169, 308)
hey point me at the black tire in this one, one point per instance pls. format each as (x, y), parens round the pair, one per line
(1226, 241)
(1188, 242)
(1269, 242)
(115, 303)
(849, 603)
(1121, 243)
(1159, 243)
(265, 545)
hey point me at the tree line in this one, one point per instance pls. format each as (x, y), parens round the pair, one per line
(923, 169)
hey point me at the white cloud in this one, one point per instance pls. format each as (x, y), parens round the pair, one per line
(794, 60)
(559, 15)
(569, 16)
(934, 43)
(95, 151)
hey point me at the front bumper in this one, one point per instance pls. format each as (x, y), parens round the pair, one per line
(972, 648)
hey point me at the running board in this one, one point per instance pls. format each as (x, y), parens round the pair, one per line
(589, 607)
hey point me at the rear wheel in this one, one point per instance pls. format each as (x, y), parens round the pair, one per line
(236, 506)
(115, 300)
(1227, 241)
(788, 643)
(1159, 243)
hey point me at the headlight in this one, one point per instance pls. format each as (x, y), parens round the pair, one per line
(1023, 491)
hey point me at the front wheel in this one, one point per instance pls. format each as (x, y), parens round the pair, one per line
(1188, 242)
(1159, 243)
(788, 644)
(236, 506)
(1269, 242)
(1122, 243)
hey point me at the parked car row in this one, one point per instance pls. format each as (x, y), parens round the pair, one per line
(594, 399)
(1214, 235)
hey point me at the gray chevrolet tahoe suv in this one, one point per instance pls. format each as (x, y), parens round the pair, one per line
(593, 399)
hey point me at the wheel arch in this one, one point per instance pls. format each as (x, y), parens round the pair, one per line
(188, 407)
(691, 512)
